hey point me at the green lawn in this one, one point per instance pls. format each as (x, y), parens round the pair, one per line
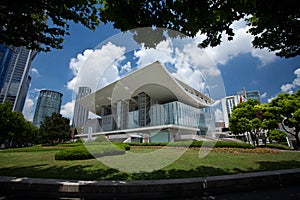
(218, 162)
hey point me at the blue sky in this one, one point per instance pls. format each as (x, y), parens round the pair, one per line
(240, 66)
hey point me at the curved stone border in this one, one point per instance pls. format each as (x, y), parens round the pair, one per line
(152, 189)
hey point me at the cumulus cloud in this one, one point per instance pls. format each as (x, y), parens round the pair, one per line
(126, 68)
(94, 69)
(241, 43)
(289, 87)
(67, 110)
(89, 67)
(28, 110)
(162, 53)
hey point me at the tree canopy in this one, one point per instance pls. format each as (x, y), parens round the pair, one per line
(261, 120)
(288, 105)
(54, 129)
(42, 25)
(275, 25)
(15, 131)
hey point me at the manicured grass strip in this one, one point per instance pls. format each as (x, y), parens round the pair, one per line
(219, 161)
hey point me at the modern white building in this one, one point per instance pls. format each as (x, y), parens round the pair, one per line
(149, 105)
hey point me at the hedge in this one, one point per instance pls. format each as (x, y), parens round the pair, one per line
(196, 144)
(74, 153)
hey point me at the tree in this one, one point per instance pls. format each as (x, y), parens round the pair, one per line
(42, 25)
(288, 108)
(252, 118)
(55, 128)
(274, 24)
(14, 129)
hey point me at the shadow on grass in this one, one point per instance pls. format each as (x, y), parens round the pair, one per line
(90, 172)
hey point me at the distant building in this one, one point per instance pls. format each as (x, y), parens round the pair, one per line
(48, 102)
(15, 65)
(229, 102)
(80, 115)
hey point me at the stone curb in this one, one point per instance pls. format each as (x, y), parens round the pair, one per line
(152, 189)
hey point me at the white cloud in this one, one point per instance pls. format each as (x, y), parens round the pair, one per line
(126, 68)
(28, 110)
(94, 69)
(35, 73)
(67, 110)
(89, 67)
(295, 83)
(162, 53)
(241, 43)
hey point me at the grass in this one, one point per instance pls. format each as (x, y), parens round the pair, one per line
(41, 164)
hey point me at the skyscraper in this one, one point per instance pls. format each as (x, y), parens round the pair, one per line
(80, 115)
(48, 102)
(14, 75)
(5, 60)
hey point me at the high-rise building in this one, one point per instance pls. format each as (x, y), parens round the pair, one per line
(149, 105)
(14, 75)
(229, 102)
(80, 115)
(48, 102)
(5, 60)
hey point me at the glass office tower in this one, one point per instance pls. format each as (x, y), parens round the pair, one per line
(14, 75)
(48, 102)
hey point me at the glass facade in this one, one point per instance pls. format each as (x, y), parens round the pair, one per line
(132, 114)
(5, 60)
(14, 75)
(47, 103)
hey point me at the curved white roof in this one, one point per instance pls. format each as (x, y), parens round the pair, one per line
(155, 81)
